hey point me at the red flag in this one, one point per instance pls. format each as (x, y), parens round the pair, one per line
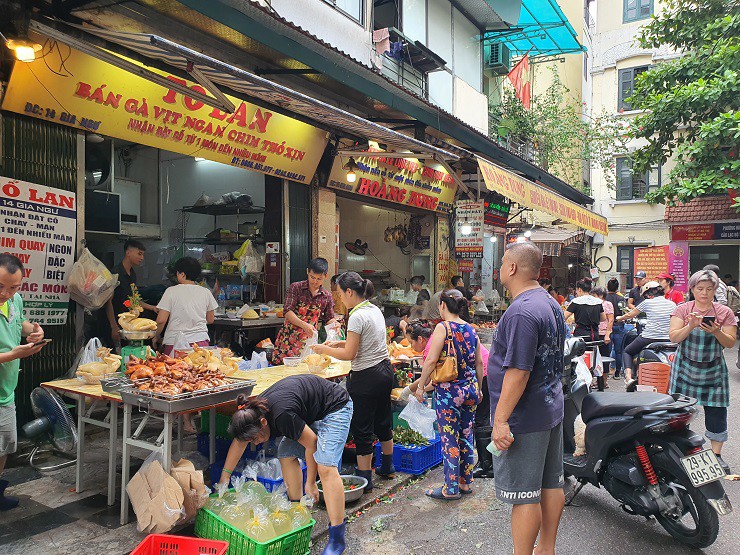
(517, 76)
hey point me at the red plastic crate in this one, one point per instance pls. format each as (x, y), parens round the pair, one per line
(163, 544)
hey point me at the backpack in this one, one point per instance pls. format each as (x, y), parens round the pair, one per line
(733, 299)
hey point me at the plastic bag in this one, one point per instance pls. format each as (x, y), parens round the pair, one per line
(181, 343)
(90, 283)
(583, 374)
(332, 332)
(481, 308)
(156, 497)
(313, 340)
(259, 360)
(420, 417)
(251, 260)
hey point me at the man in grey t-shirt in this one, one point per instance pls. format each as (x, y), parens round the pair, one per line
(431, 310)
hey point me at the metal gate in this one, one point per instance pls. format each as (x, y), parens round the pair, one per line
(43, 153)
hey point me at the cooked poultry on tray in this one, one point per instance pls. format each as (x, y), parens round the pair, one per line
(172, 376)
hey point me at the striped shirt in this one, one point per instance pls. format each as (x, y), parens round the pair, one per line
(658, 311)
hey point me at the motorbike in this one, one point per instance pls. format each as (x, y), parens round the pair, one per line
(639, 447)
(657, 351)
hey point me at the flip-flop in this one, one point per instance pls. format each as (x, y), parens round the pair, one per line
(466, 491)
(436, 493)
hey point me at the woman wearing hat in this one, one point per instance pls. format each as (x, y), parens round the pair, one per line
(704, 329)
(658, 310)
(668, 281)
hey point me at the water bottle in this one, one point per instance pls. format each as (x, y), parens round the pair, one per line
(221, 301)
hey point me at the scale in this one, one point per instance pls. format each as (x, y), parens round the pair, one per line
(137, 344)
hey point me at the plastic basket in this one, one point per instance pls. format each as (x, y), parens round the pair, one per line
(222, 424)
(414, 460)
(162, 544)
(297, 542)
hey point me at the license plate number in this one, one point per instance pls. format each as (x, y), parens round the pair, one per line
(702, 468)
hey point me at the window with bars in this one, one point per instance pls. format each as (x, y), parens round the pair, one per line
(626, 262)
(631, 186)
(635, 10)
(627, 85)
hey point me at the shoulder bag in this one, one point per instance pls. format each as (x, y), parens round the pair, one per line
(446, 369)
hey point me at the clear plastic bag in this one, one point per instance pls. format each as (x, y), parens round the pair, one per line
(300, 513)
(251, 260)
(333, 331)
(259, 360)
(313, 340)
(181, 343)
(481, 308)
(90, 283)
(420, 417)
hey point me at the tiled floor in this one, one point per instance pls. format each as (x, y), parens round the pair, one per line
(53, 519)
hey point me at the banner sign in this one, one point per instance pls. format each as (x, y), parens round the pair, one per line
(653, 260)
(465, 265)
(98, 97)
(469, 213)
(39, 226)
(536, 197)
(443, 254)
(497, 209)
(705, 232)
(678, 264)
(403, 181)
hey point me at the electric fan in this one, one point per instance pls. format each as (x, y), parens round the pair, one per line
(54, 426)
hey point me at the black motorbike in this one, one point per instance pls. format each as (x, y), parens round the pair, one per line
(657, 351)
(640, 449)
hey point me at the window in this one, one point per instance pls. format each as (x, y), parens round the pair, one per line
(627, 85)
(466, 50)
(352, 8)
(415, 19)
(631, 186)
(439, 29)
(634, 10)
(626, 263)
(585, 66)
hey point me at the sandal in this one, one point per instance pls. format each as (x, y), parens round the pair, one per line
(466, 491)
(436, 493)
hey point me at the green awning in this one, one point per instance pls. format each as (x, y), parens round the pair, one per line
(542, 30)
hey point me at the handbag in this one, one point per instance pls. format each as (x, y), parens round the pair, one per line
(446, 369)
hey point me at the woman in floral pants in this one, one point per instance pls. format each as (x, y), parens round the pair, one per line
(457, 400)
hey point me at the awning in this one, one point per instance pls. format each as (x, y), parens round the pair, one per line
(551, 241)
(542, 30)
(536, 197)
(239, 80)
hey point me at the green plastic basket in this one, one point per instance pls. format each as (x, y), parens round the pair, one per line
(222, 424)
(210, 526)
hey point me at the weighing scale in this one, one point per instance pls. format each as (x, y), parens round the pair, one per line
(136, 344)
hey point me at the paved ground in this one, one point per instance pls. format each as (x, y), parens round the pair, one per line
(414, 524)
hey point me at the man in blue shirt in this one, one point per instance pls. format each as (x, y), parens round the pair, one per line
(524, 372)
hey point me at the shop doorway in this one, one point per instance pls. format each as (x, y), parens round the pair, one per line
(299, 230)
(727, 257)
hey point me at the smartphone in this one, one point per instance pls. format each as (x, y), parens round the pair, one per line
(708, 320)
(43, 342)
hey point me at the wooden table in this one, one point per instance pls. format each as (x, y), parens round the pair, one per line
(265, 378)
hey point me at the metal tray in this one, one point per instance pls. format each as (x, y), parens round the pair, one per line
(184, 402)
(113, 383)
(138, 335)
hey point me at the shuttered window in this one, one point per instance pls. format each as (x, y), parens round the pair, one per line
(631, 186)
(634, 10)
(627, 85)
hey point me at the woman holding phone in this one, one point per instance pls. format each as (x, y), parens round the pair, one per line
(703, 329)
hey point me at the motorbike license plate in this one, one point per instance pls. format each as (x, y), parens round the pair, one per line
(702, 468)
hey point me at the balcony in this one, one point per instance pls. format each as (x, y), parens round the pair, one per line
(503, 137)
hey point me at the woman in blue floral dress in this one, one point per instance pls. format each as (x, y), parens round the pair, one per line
(457, 400)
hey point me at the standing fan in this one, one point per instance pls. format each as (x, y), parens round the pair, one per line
(53, 425)
(358, 247)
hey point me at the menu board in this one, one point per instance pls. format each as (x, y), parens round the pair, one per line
(469, 213)
(39, 225)
(652, 260)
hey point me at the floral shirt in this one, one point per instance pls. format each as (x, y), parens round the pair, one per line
(299, 291)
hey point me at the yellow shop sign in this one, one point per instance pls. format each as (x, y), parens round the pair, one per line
(96, 96)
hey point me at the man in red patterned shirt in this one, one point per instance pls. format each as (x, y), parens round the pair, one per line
(307, 305)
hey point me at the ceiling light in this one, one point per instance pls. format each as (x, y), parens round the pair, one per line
(351, 167)
(570, 266)
(528, 234)
(466, 228)
(94, 138)
(199, 159)
(25, 50)
(493, 239)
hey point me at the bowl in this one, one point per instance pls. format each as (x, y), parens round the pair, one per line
(292, 361)
(316, 369)
(349, 495)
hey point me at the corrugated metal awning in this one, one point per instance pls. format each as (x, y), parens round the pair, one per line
(552, 241)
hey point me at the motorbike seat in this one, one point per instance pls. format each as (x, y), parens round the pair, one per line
(662, 346)
(599, 404)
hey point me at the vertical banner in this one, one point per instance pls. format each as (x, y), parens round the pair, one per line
(678, 264)
(653, 260)
(443, 253)
(39, 225)
(471, 213)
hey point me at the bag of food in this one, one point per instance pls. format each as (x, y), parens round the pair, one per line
(156, 497)
(251, 260)
(420, 417)
(481, 308)
(90, 283)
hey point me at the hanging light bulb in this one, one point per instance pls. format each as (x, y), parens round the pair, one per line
(493, 239)
(570, 266)
(25, 51)
(351, 167)
(466, 228)
(528, 233)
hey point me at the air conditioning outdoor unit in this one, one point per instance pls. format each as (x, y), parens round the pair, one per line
(497, 58)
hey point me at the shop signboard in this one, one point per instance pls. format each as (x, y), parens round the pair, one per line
(95, 96)
(39, 226)
(443, 253)
(653, 260)
(706, 232)
(398, 181)
(469, 213)
(465, 265)
(678, 264)
(497, 209)
(537, 197)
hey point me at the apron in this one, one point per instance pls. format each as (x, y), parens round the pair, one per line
(700, 371)
(291, 339)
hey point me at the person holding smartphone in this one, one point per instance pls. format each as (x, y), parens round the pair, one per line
(13, 328)
(703, 329)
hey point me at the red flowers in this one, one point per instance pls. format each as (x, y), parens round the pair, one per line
(127, 303)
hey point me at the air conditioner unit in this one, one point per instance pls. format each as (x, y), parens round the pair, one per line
(497, 58)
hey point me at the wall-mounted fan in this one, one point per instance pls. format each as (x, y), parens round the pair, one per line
(358, 247)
